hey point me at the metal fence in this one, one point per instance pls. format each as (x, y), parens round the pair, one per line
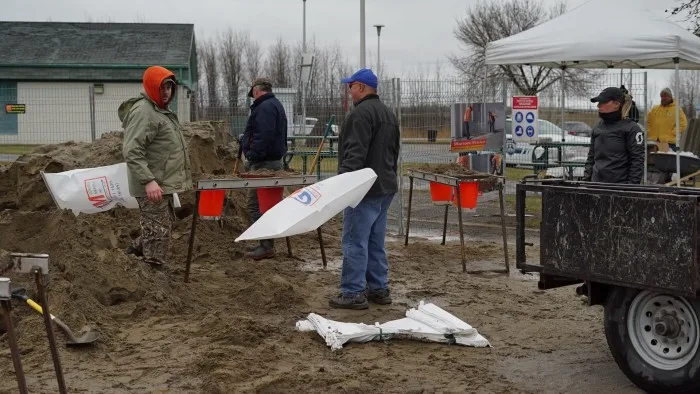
(82, 112)
(49, 113)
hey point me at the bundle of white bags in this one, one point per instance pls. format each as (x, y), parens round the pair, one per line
(427, 322)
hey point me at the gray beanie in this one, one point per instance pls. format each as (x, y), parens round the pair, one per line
(667, 92)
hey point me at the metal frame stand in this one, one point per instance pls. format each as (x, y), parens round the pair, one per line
(38, 266)
(454, 182)
(6, 301)
(245, 183)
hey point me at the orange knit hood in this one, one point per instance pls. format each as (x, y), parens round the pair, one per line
(153, 77)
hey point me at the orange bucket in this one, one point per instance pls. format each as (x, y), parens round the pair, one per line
(211, 202)
(441, 193)
(268, 197)
(468, 194)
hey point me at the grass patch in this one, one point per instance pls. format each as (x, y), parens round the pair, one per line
(15, 149)
(517, 174)
(328, 164)
(533, 206)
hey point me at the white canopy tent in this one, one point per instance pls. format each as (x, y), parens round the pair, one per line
(604, 34)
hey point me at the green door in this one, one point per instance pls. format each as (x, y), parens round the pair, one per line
(8, 95)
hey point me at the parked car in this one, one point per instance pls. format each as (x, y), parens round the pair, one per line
(580, 129)
(520, 153)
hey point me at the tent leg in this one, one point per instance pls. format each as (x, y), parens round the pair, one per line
(563, 107)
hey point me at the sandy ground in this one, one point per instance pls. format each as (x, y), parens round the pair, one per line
(232, 328)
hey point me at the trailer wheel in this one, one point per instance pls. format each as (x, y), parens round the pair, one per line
(654, 339)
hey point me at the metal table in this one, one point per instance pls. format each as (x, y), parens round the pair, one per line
(455, 181)
(246, 183)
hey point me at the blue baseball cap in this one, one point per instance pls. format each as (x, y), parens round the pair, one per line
(364, 75)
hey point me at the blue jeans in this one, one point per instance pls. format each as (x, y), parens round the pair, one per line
(364, 256)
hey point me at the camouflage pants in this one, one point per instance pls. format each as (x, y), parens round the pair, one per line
(156, 223)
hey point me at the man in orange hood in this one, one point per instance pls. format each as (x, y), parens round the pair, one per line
(157, 161)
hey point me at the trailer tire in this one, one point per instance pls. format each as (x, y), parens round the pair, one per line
(645, 347)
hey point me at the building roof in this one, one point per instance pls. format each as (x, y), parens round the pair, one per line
(90, 47)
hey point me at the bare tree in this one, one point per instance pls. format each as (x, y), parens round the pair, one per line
(231, 52)
(690, 11)
(490, 21)
(279, 64)
(253, 59)
(689, 91)
(207, 57)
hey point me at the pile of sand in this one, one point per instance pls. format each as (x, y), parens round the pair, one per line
(212, 151)
(93, 280)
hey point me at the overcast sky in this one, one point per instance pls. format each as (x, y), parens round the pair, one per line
(418, 33)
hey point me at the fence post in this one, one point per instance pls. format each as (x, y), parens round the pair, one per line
(91, 98)
(396, 88)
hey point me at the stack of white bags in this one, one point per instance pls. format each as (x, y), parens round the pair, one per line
(427, 322)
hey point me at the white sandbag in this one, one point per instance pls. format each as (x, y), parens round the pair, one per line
(91, 190)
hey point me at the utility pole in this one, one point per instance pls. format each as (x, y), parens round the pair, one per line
(363, 63)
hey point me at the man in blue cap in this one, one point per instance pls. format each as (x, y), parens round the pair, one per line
(369, 138)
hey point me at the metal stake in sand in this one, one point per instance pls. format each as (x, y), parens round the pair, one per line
(38, 272)
(5, 300)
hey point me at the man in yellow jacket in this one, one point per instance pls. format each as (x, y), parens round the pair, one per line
(661, 121)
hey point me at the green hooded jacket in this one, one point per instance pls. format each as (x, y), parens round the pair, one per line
(154, 147)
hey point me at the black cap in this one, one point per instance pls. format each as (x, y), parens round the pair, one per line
(610, 94)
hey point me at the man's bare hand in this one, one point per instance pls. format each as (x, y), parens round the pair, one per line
(154, 192)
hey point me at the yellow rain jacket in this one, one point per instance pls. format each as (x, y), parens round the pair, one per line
(661, 123)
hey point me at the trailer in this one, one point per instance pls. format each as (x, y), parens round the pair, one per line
(634, 250)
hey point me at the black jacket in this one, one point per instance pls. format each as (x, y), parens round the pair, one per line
(370, 139)
(265, 136)
(616, 154)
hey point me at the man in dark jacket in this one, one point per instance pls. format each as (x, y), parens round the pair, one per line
(369, 139)
(264, 143)
(616, 154)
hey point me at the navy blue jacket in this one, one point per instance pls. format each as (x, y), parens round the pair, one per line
(265, 136)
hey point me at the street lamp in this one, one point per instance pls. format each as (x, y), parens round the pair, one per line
(363, 64)
(379, 58)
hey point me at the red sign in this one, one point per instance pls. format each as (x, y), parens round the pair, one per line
(465, 145)
(524, 102)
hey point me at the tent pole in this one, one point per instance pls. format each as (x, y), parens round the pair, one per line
(678, 121)
(563, 104)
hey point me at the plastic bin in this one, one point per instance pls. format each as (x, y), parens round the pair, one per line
(268, 197)
(440, 193)
(469, 194)
(211, 202)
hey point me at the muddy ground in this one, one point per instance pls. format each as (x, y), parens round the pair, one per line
(232, 328)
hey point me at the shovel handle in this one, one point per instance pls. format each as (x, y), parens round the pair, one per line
(56, 320)
(37, 307)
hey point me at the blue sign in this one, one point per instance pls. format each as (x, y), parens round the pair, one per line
(530, 117)
(530, 131)
(519, 130)
(518, 117)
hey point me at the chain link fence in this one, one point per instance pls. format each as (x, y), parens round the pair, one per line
(60, 112)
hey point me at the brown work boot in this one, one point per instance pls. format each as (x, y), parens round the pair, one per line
(261, 253)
